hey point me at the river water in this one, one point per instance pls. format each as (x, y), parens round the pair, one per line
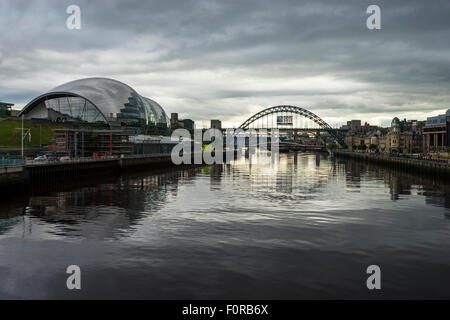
(307, 226)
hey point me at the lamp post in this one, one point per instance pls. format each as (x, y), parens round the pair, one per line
(75, 145)
(23, 135)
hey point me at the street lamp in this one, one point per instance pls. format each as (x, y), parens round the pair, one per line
(23, 135)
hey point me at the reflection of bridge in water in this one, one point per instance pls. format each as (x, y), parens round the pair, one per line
(295, 122)
(284, 146)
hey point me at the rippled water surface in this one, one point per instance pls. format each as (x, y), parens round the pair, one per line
(306, 227)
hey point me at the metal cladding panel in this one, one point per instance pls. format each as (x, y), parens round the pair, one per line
(116, 101)
(157, 110)
(108, 95)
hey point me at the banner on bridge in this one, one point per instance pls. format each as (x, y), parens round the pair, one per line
(284, 120)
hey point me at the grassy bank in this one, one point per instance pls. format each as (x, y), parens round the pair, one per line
(41, 132)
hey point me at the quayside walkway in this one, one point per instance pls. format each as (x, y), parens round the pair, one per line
(15, 177)
(439, 167)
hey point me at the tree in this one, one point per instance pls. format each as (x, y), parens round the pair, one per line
(331, 146)
(373, 147)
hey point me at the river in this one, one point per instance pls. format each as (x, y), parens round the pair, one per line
(307, 226)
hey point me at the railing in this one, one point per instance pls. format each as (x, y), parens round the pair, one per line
(398, 155)
(418, 157)
(94, 159)
(75, 160)
(7, 160)
(151, 155)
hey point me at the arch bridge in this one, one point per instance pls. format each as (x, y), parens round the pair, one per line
(287, 117)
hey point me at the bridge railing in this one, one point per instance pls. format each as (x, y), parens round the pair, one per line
(94, 159)
(10, 160)
(398, 155)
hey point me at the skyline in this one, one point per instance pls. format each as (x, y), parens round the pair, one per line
(228, 60)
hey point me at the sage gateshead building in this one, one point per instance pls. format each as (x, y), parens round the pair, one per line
(101, 101)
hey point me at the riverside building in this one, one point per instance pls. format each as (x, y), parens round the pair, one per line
(106, 103)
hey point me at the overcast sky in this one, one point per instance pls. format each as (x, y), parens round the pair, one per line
(228, 59)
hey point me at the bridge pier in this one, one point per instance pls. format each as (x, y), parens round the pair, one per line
(296, 139)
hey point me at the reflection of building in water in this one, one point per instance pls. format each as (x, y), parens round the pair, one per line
(439, 198)
(399, 182)
(293, 173)
(215, 175)
(103, 211)
(353, 174)
(7, 222)
(435, 190)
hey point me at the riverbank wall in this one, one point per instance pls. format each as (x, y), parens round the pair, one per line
(20, 178)
(94, 167)
(439, 168)
(14, 179)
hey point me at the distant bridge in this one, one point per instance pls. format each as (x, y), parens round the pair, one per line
(285, 115)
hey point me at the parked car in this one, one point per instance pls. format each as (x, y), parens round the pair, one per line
(64, 158)
(41, 158)
(52, 157)
(98, 154)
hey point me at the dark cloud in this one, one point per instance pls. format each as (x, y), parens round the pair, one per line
(225, 59)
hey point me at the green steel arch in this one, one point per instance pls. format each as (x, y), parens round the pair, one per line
(295, 110)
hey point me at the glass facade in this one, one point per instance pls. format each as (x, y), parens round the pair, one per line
(159, 122)
(133, 115)
(73, 109)
(100, 100)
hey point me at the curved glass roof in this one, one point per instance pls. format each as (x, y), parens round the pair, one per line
(395, 122)
(156, 109)
(112, 98)
(108, 95)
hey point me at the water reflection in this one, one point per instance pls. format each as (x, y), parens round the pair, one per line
(107, 210)
(111, 210)
(240, 230)
(435, 190)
